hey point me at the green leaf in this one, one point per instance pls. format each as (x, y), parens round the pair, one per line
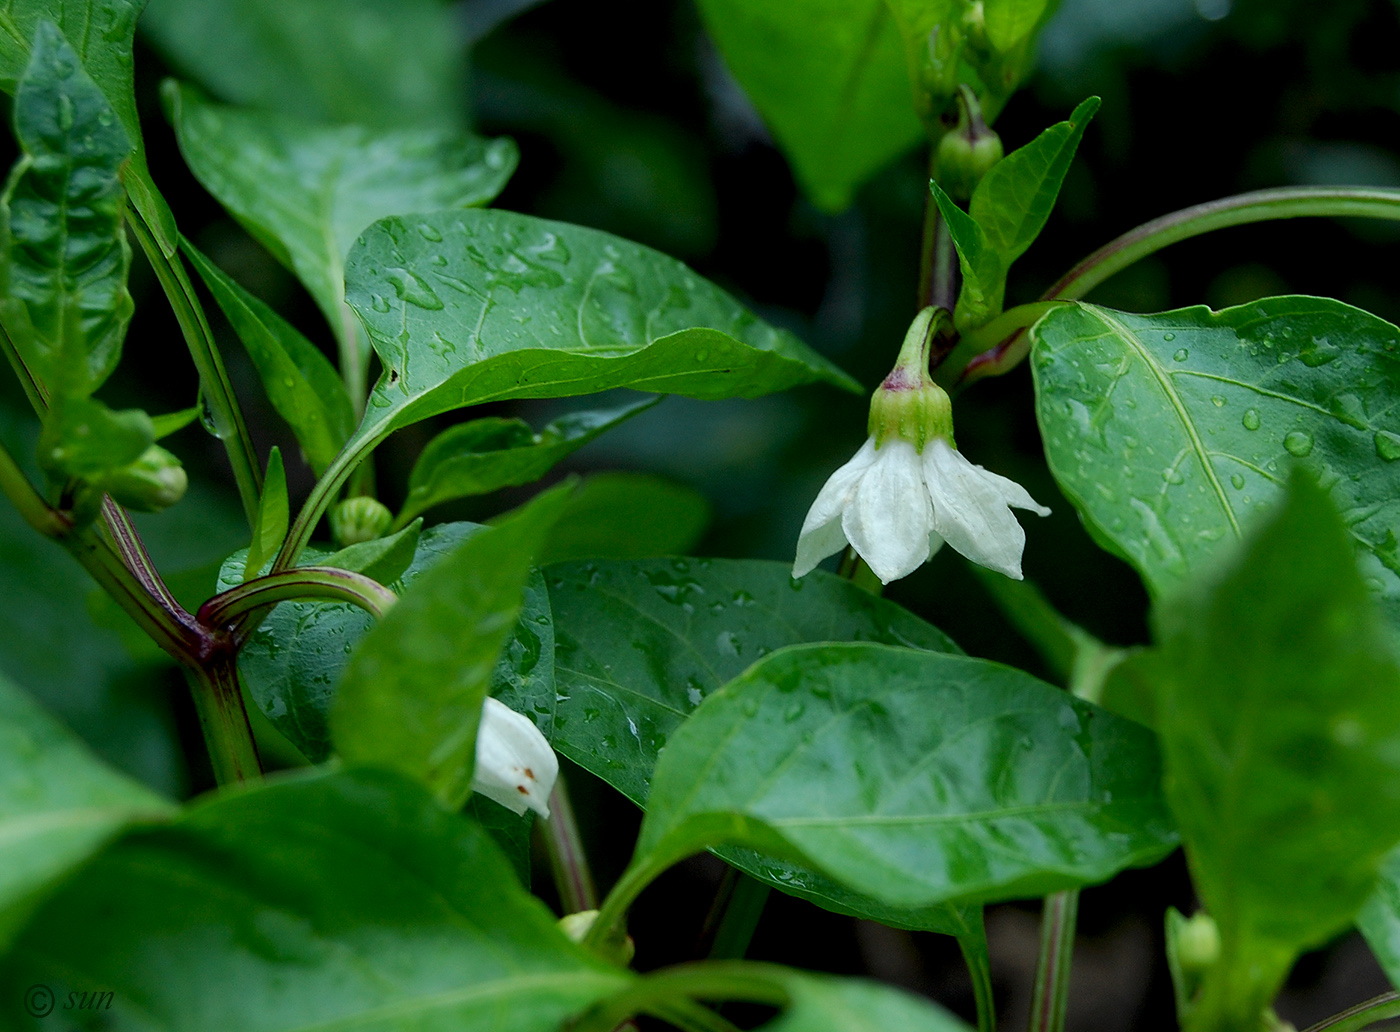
(383, 559)
(388, 65)
(271, 525)
(63, 252)
(349, 900)
(829, 78)
(300, 382)
(293, 661)
(821, 1003)
(486, 454)
(84, 438)
(170, 422)
(1016, 789)
(1278, 706)
(1014, 199)
(1379, 919)
(58, 806)
(102, 32)
(306, 191)
(1009, 22)
(465, 307)
(628, 516)
(984, 271)
(1167, 431)
(410, 697)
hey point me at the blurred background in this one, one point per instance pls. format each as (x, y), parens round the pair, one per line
(628, 121)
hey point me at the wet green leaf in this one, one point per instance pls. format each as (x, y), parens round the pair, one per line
(410, 697)
(984, 271)
(300, 382)
(1016, 789)
(388, 65)
(270, 527)
(486, 454)
(84, 438)
(383, 559)
(628, 516)
(1278, 706)
(829, 78)
(59, 805)
(1169, 431)
(344, 900)
(306, 191)
(64, 258)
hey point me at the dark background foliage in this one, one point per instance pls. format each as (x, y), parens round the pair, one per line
(628, 121)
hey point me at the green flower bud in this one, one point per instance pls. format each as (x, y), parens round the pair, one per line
(968, 152)
(359, 519)
(1198, 943)
(153, 482)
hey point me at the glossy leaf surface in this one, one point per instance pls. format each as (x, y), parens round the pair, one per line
(58, 805)
(1278, 706)
(65, 257)
(350, 900)
(628, 516)
(362, 61)
(1169, 431)
(306, 191)
(465, 307)
(300, 382)
(410, 697)
(1013, 789)
(486, 454)
(829, 78)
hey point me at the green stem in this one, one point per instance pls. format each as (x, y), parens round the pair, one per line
(708, 980)
(328, 583)
(1050, 998)
(690, 1016)
(979, 967)
(320, 499)
(984, 338)
(1378, 1008)
(213, 378)
(354, 369)
(33, 389)
(567, 859)
(1150, 237)
(218, 700)
(613, 912)
(742, 911)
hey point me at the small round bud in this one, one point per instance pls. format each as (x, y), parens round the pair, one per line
(153, 482)
(359, 519)
(1198, 943)
(968, 152)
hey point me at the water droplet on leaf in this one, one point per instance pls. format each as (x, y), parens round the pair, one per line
(1250, 419)
(1298, 443)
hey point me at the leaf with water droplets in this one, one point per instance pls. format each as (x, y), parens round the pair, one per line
(1016, 789)
(1222, 404)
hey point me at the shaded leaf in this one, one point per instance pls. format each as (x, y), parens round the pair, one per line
(383, 559)
(270, 527)
(628, 516)
(84, 438)
(821, 1003)
(984, 272)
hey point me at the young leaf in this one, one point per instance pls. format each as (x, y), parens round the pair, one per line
(1014, 199)
(65, 259)
(271, 525)
(344, 901)
(306, 191)
(1168, 431)
(293, 661)
(59, 805)
(1016, 789)
(410, 697)
(366, 62)
(628, 516)
(84, 438)
(1009, 22)
(300, 382)
(984, 271)
(383, 559)
(1278, 706)
(170, 422)
(470, 306)
(486, 454)
(1379, 919)
(829, 78)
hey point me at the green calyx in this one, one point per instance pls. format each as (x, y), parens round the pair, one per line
(967, 153)
(909, 405)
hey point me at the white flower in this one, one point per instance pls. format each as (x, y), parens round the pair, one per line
(897, 507)
(514, 764)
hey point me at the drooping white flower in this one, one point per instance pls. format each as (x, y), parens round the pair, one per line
(514, 764)
(908, 489)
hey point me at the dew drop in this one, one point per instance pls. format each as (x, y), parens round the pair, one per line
(1182, 355)
(429, 232)
(1172, 475)
(379, 303)
(1250, 419)
(411, 287)
(1169, 337)
(1217, 401)
(1298, 443)
(1238, 480)
(1388, 445)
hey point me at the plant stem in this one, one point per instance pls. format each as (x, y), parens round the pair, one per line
(711, 980)
(1050, 998)
(979, 969)
(567, 860)
(738, 919)
(214, 383)
(613, 911)
(328, 583)
(218, 700)
(690, 1016)
(1150, 237)
(1378, 1008)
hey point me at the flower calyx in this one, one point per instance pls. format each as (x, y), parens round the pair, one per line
(909, 405)
(967, 152)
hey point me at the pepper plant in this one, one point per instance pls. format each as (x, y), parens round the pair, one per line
(384, 696)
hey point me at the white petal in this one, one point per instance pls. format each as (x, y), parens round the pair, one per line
(514, 764)
(821, 531)
(971, 509)
(889, 519)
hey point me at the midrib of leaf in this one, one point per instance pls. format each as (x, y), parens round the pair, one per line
(914, 819)
(1169, 392)
(15, 830)
(851, 87)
